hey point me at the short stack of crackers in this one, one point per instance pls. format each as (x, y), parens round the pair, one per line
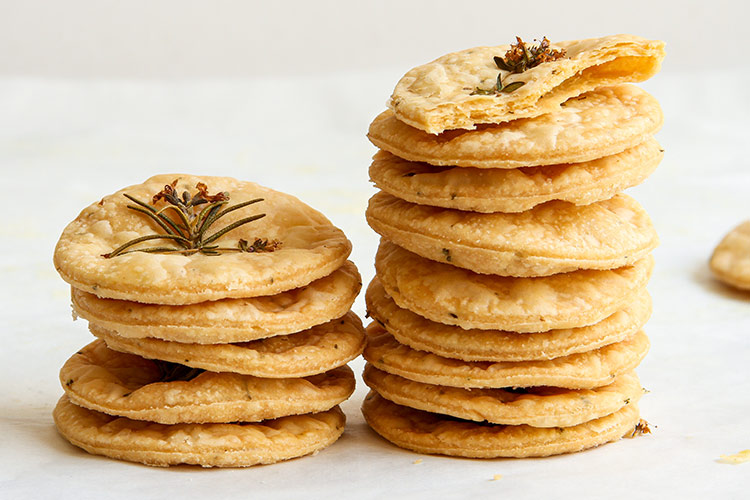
(510, 293)
(222, 315)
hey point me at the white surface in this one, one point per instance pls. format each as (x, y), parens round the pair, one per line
(194, 38)
(64, 143)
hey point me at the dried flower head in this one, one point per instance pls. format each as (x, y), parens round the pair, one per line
(518, 59)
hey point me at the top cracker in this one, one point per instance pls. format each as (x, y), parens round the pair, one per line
(288, 247)
(441, 95)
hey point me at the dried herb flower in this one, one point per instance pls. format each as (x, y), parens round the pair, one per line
(188, 226)
(518, 59)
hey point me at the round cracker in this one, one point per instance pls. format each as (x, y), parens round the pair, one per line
(515, 189)
(730, 261)
(556, 237)
(311, 247)
(441, 95)
(493, 345)
(209, 445)
(454, 296)
(316, 350)
(586, 370)
(130, 386)
(597, 124)
(227, 320)
(536, 406)
(425, 432)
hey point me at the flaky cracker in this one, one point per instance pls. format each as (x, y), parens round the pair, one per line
(515, 189)
(454, 296)
(730, 261)
(493, 345)
(556, 237)
(227, 320)
(439, 95)
(586, 370)
(535, 406)
(130, 386)
(597, 124)
(318, 349)
(311, 247)
(425, 432)
(208, 445)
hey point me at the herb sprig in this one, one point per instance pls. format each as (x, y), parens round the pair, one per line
(518, 59)
(188, 226)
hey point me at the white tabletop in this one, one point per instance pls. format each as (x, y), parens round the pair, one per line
(63, 144)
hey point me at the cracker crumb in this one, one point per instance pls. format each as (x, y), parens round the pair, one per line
(417, 461)
(497, 477)
(737, 458)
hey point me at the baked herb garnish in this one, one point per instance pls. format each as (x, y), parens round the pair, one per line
(518, 59)
(190, 222)
(641, 428)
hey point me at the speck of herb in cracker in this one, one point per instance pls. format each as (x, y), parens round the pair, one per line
(518, 59)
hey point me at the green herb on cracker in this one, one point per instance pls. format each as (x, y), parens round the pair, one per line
(188, 229)
(518, 59)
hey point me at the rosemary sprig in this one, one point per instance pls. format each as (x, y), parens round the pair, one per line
(518, 59)
(188, 229)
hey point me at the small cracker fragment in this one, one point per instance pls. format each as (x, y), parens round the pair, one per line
(553, 238)
(438, 96)
(227, 320)
(586, 370)
(454, 296)
(736, 458)
(129, 386)
(730, 261)
(208, 445)
(515, 189)
(425, 432)
(311, 247)
(494, 345)
(318, 349)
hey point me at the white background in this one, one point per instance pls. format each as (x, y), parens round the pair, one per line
(97, 95)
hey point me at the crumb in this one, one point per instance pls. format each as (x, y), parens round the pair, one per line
(737, 458)
(496, 477)
(641, 428)
(417, 461)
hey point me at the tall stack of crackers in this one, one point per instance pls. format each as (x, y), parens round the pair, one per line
(510, 291)
(222, 315)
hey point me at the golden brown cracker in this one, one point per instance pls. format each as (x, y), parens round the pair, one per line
(454, 296)
(425, 432)
(516, 189)
(226, 320)
(730, 261)
(208, 445)
(310, 247)
(534, 406)
(586, 370)
(556, 237)
(441, 95)
(130, 386)
(318, 349)
(493, 345)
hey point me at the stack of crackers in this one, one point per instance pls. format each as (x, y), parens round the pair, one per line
(510, 292)
(222, 315)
